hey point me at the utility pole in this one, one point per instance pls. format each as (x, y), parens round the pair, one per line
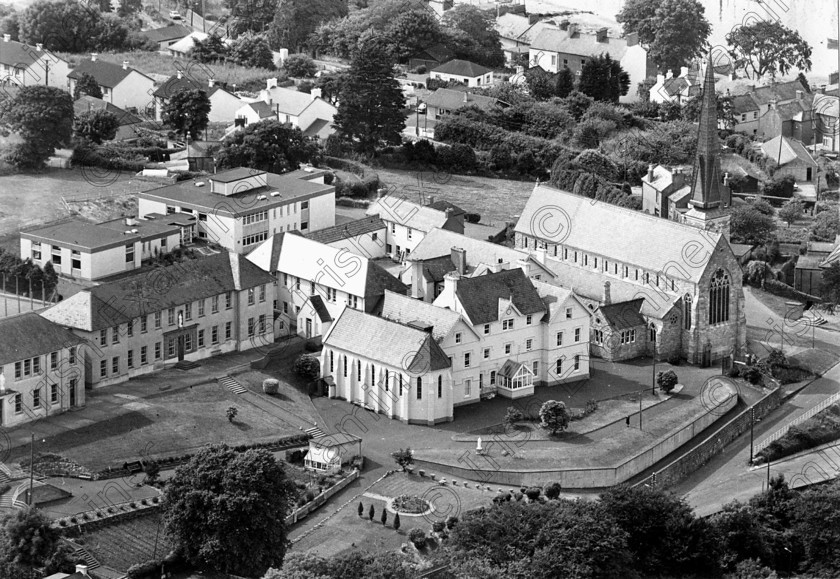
(31, 466)
(653, 377)
(752, 422)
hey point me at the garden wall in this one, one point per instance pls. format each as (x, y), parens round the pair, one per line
(481, 469)
(318, 501)
(714, 444)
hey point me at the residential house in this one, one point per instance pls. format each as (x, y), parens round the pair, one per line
(81, 573)
(184, 47)
(443, 251)
(665, 191)
(742, 175)
(463, 71)
(750, 106)
(677, 89)
(826, 117)
(364, 237)
(517, 31)
(431, 57)
(394, 369)
(327, 453)
(223, 103)
(408, 222)
(122, 86)
(92, 251)
(791, 158)
(308, 112)
(567, 46)
(167, 35)
(446, 101)
(792, 120)
(255, 112)
(41, 369)
(190, 310)
(518, 320)
(25, 65)
(313, 291)
(240, 208)
(128, 122)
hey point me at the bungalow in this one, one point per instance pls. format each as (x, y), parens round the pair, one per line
(826, 115)
(408, 222)
(308, 112)
(185, 45)
(223, 103)
(127, 121)
(445, 101)
(556, 48)
(122, 86)
(41, 370)
(463, 71)
(168, 35)
(25, 65)
(791, 158)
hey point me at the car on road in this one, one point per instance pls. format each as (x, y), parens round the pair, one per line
(174, 15)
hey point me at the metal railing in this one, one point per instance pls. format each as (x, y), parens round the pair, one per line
(810, 413)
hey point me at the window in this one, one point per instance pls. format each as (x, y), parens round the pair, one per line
(440, 386)
(214, 305)
(251, 327)
(353, 302)
(103, 368)
(507, 324)
(486, 329)
(719, 298)
(214, 335)
(467, 388)
(36, 365)
(262, 324)
(388, 248)
(596, 263)
(171, 316)
(457, 337)
(585, 260)
(170, 348)
(559, 338)
(568, 313)
(115, 334)
(53, 393)
(144, 355)
(255, 218)
(558, 366)
(492, 377)
(528, 319)
(53, 360)
(157, 350)
(157, 320)
(419, 388)
(393, 228)
(486, 353)
(75, 259)
(36, 398)
(344, 358)
(56, 255)
(687, 311)
(130, 328)
(332, 362)
(188, 342)
(251, 295)
(577, 334)
(466, 359)
(331, 294)
(228, 327)
(599, 336)
(408, 234)
(129, 253)
(628, 336)
(18, 404)
(374, 236)
(311, 289)
(262, 293)
(115, 364)
(528, 344)
(201, 308)
(535, 366)
(103, 337)
(304, 205)
(229, 298)
(130, 360)
(201, 338)
(577, 362)
(507, 349)
(72, 355)
(36, 250)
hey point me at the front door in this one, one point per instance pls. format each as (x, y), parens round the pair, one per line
(72, 395)
(180, 348)
(308, 328)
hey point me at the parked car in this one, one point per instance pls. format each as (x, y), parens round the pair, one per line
(173, 14)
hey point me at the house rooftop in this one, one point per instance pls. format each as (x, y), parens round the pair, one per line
(480, 295)
(170, 32)
(80, 235)
(578, 43)
(174, 85)
(334, 439)
(438, 244)
(13, 53)
(187, 43)
(347, 230)
(460, 67)
(735, 164)
(289, 102)
(28, 335)
(107, 74)
(623, 315)
(452, 100)
(87, 103)
(783, 151)
(391, 208)
(407, 310)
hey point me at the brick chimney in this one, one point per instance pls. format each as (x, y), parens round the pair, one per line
(564, 25)
(606, 298)
(450, 283)
(7, 37)
(632, 39)
(683, 71)
(180, 74)
(800, 94)
(773, 103)
(459, 260)
(125, 65)
(601, 34)
(650, 172)
(573, 29)
(211, 82)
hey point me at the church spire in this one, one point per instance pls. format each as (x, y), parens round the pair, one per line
(706, 190)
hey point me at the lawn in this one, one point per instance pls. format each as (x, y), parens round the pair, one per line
(126, 543)
(820, 429)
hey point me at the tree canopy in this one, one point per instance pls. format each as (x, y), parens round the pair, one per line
(43, 117)
(472, 34)
(252, 50)
(96, 126)
(268, 146)
(226, 510)
(767, 47)
(87, 84)
(748, 225)
(296, 20)
(187, 112)
(554, 416)
(251, 15)
(603, 79)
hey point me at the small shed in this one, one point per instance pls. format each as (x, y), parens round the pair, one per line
(329, 451)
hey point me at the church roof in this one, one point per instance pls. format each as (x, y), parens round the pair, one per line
(624, 315)
(706, 183)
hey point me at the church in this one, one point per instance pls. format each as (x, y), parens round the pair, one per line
(653, 286)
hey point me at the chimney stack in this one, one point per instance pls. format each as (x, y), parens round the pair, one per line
(431, 199)
(459, 260)
(683, 71)
(564, 25)
(650, 172)
(822, 89)
(93, 56)
(573, 30)
(773, 103)
(726, 179)
(800, 94)
(7, 37)
(180, 75)
(466, 97)
(606, 298)
(39, 47)
(670, 74)
(82, 569)
(450, 282)
(632, 39)
(211, 82)
(125, 65)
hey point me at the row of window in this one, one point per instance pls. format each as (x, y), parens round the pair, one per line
(255, 218)
(388, 379)
(55, 255)
(625, 337)
(331, 295)
(37, 399)
(32, 366)
(255, 238)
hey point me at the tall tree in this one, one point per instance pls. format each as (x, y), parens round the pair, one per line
(564, 84)
(791, 211)
(43, 117)
(27, 538)
(482, 45)
(61, 25)
(412, 31)
(96, 126)
(603, 79)
(674, 31)
(253, 51)
(748, 225)
(211, 49)
(371, 102)
(296, 20)
(88, 85)
(330, 85)
(187, 112)
(767, 47)
(554, 416)
(226, 510)
(251, 15)
(691, 110)
(268, 146)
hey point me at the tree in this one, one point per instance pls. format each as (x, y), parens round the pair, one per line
(61, 25)
(826, 226)
(603, 79)
(767, 47)
(211, 49)
(554, 416)
(219, 490)
(830, 285)
(791, 211)
(411, 32)
(384, 517)
(253, 51)
(152, 470)
(666, 381)
(370, 109)
(473, 35)
(540, 83)
(28, 539)
(187, 112)
(296, 20)
(691, 110)
(371, 513)
(578, 103)
(10, 22)
(564, 83)
(300, 65)
(129, 8)
(403, 457)
(747, 225)
(552, 490)
(418, 537)
(330, 85)
(111, 34)
(87, 84)
(251, 15)
(307, 366)
(231, 413)
(674, 31)
(43, 117)
(396, 521)
(512, 416)
(97, 126)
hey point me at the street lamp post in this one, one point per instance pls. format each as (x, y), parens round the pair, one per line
(653, 377)
(752, 422)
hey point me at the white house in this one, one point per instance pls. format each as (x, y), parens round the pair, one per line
(25, 65)
(391, 368)
(184, 46)
(408, 222)
(677, 89)
(313, 291)
(327, 453)
(121, 85)
(308, 112)
(254, 112)
(464, 71)
(167, 35)
(223, 103)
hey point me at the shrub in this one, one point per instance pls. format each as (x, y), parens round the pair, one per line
(533, 493)
(752, 375)
(271, 386)
(418, 537)
(308, 367)
(667, 380)
(231, 413)
(518, 496)
(361, 509)
(451, 521)
(144, 502)
(300, 65)
(310, 496)
(457, 156)
(513, 415)
(438, 526)
(590, 407)
(734, 371)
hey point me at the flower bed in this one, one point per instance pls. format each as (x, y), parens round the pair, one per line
(411, 505)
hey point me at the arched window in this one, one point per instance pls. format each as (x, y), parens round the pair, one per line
(687, 311)
(719, 298)
(653, 334)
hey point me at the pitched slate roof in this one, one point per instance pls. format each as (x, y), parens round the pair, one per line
(783, 151)
(408, 213)
(436, 268)
(443, 205)
(107, 74)
(320, 308)
(780, 91)
(673, 86)
(744, 103)
(174, 85)
(460, 67)
(87, 103)
(439, 52)
(623, 315)
(480, 295)
(389, 343)
(29, 335)
(578, 222)
(288, 101)
(145, 292)
(405, 309)
(18, 54)
(438, 243)
(170, 32)
(788, 111)
(735, 164)
(187, 43)
(263, 109)
(452, 100)
(511, 367)
(581, 43)
(347, 230)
